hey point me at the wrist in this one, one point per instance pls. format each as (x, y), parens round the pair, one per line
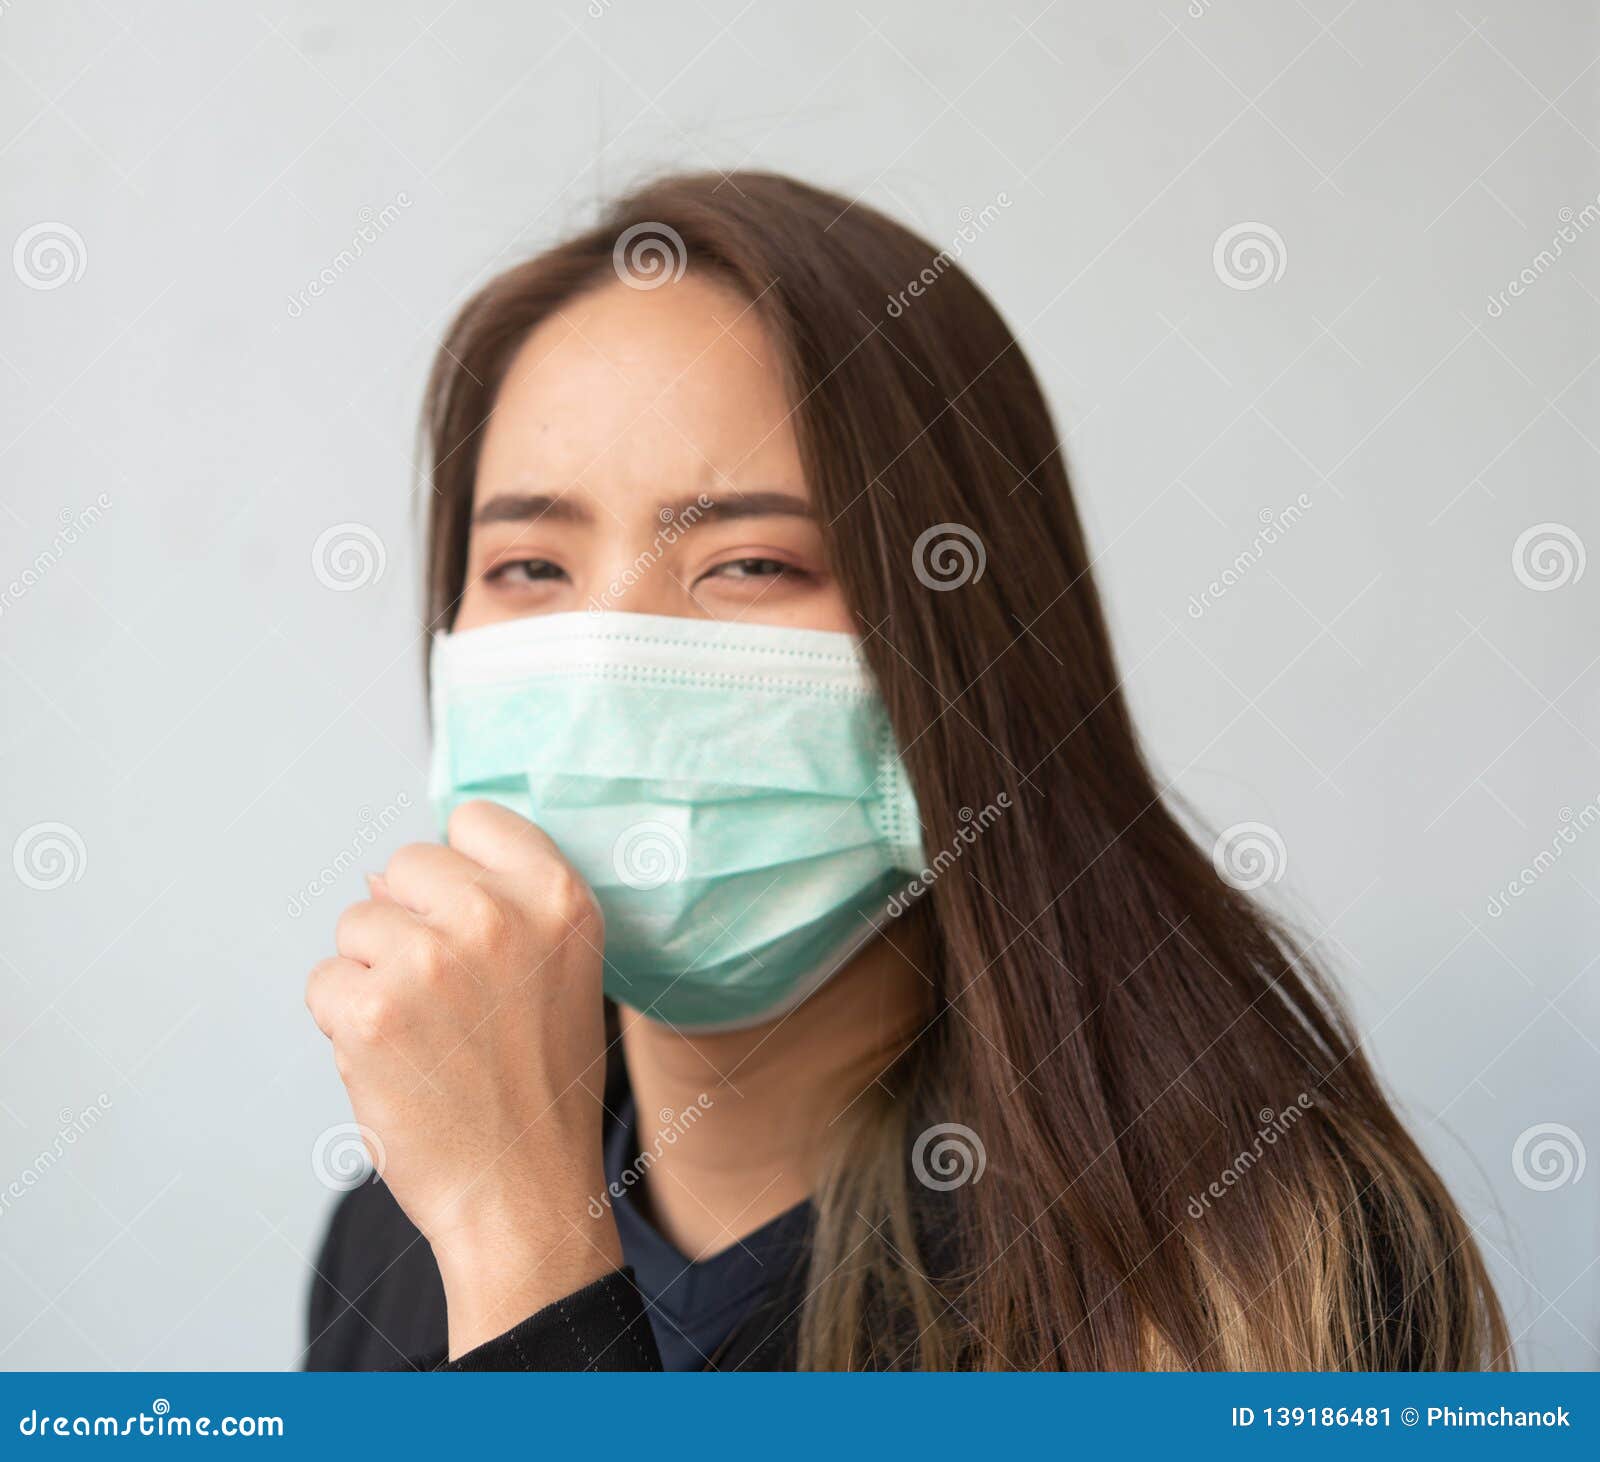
(497, 1272)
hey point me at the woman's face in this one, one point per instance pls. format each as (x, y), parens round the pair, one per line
(640, 457)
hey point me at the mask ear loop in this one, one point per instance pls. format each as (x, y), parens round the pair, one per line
(894, 817)
(438, 705)
(895, 813)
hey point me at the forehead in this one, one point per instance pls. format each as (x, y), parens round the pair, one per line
(624, 386)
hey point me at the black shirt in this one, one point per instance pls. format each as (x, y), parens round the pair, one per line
(377, 1302)
(693, 1307)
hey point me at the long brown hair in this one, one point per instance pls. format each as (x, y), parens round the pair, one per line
(1124, 1034)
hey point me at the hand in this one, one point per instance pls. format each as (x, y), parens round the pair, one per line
(467, 1022)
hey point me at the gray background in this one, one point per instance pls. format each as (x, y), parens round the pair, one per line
(217, 727)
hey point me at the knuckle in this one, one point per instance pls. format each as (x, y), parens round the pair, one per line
(426, 956)
(373, 1018)
(402, 858)
(569, 901)
(344, 930)
(480, 916)
(466, 816)
(320, 992)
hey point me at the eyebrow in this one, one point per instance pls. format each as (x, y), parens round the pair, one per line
(765, 504)
(526, 507)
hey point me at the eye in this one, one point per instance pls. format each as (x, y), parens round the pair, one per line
(524, 571)
(754, 568)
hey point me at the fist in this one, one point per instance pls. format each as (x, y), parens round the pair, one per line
(464, 1007)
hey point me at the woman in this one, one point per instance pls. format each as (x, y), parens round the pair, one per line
(773, 701)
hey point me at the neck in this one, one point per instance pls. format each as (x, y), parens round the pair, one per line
(751, 1110)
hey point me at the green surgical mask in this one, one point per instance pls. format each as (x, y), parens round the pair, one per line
(731, 792)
